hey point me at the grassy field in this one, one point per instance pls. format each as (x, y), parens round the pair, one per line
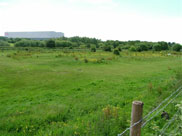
(66, 93)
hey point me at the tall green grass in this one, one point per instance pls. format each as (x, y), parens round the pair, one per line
(55, 92)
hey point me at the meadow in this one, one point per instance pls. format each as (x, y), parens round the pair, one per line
(54, 92)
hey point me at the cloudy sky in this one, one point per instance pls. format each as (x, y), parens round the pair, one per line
(147, 20)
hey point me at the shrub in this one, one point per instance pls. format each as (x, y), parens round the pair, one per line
(164, 45)
(86, 60)
(119, 48)
(23, 43)
(29, 43)
(50, 43)
(116, 52)
(132, 48)
(3, 43)
(63, 43)
(141, 47)
(157, 47)
(93, 48)
(107, 48)
(138, 48)
(177, 47)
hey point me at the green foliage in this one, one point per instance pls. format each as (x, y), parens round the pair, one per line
(163, 45)
(93, 49)
(79, 92)
(116, 52)
(4, 43)
(29, 43)
(177, 47)
(107, 48)
(2, 38)
(157, 47)
(141, 47)
(132, 48)
(60, 43)
(50, 43)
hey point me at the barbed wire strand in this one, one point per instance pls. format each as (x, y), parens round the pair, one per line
(162, 102)
(151, 112)
(161, 109)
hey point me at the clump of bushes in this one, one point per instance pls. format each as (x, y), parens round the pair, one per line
(107, 48)
(132, 48)
(177, 47)
(51, 43)
(29, 43)
(160, 46)
(60, 43)
(3, 43)
(116, 52)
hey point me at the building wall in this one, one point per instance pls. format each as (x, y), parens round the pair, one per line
(34, 35)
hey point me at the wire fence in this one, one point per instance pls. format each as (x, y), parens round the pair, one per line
(158, 109)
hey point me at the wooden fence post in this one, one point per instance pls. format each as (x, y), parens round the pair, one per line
(136, 115)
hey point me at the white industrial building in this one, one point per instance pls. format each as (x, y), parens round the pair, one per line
(35, 35)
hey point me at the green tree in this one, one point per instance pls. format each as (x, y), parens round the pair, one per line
(51, 43)
(164, 45)
(157, 47)
(177, 47)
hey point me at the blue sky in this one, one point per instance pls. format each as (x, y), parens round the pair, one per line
(154, 20)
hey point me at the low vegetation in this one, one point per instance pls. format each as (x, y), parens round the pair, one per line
(84, 86)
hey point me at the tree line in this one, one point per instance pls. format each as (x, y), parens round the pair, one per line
(92, 43)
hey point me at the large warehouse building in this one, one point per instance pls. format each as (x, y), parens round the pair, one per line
(34, 35)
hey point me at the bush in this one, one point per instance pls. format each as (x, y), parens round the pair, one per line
(157, 47)
(63, 43)
(3, 43)
(119, 48)
(138, 48)
(141, 47)
(50, 43)
(164, 45)
(132, 48)
(93, 49)
(177, 47)
(23, 43)
(116, 52)
(107, 48)
(29, 43)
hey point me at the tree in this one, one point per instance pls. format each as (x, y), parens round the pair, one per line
(50, 43)
(164, 45)
(157, 47)
(177, 47)
(141, 47)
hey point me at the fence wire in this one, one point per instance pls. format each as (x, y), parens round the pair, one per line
(177, 92)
